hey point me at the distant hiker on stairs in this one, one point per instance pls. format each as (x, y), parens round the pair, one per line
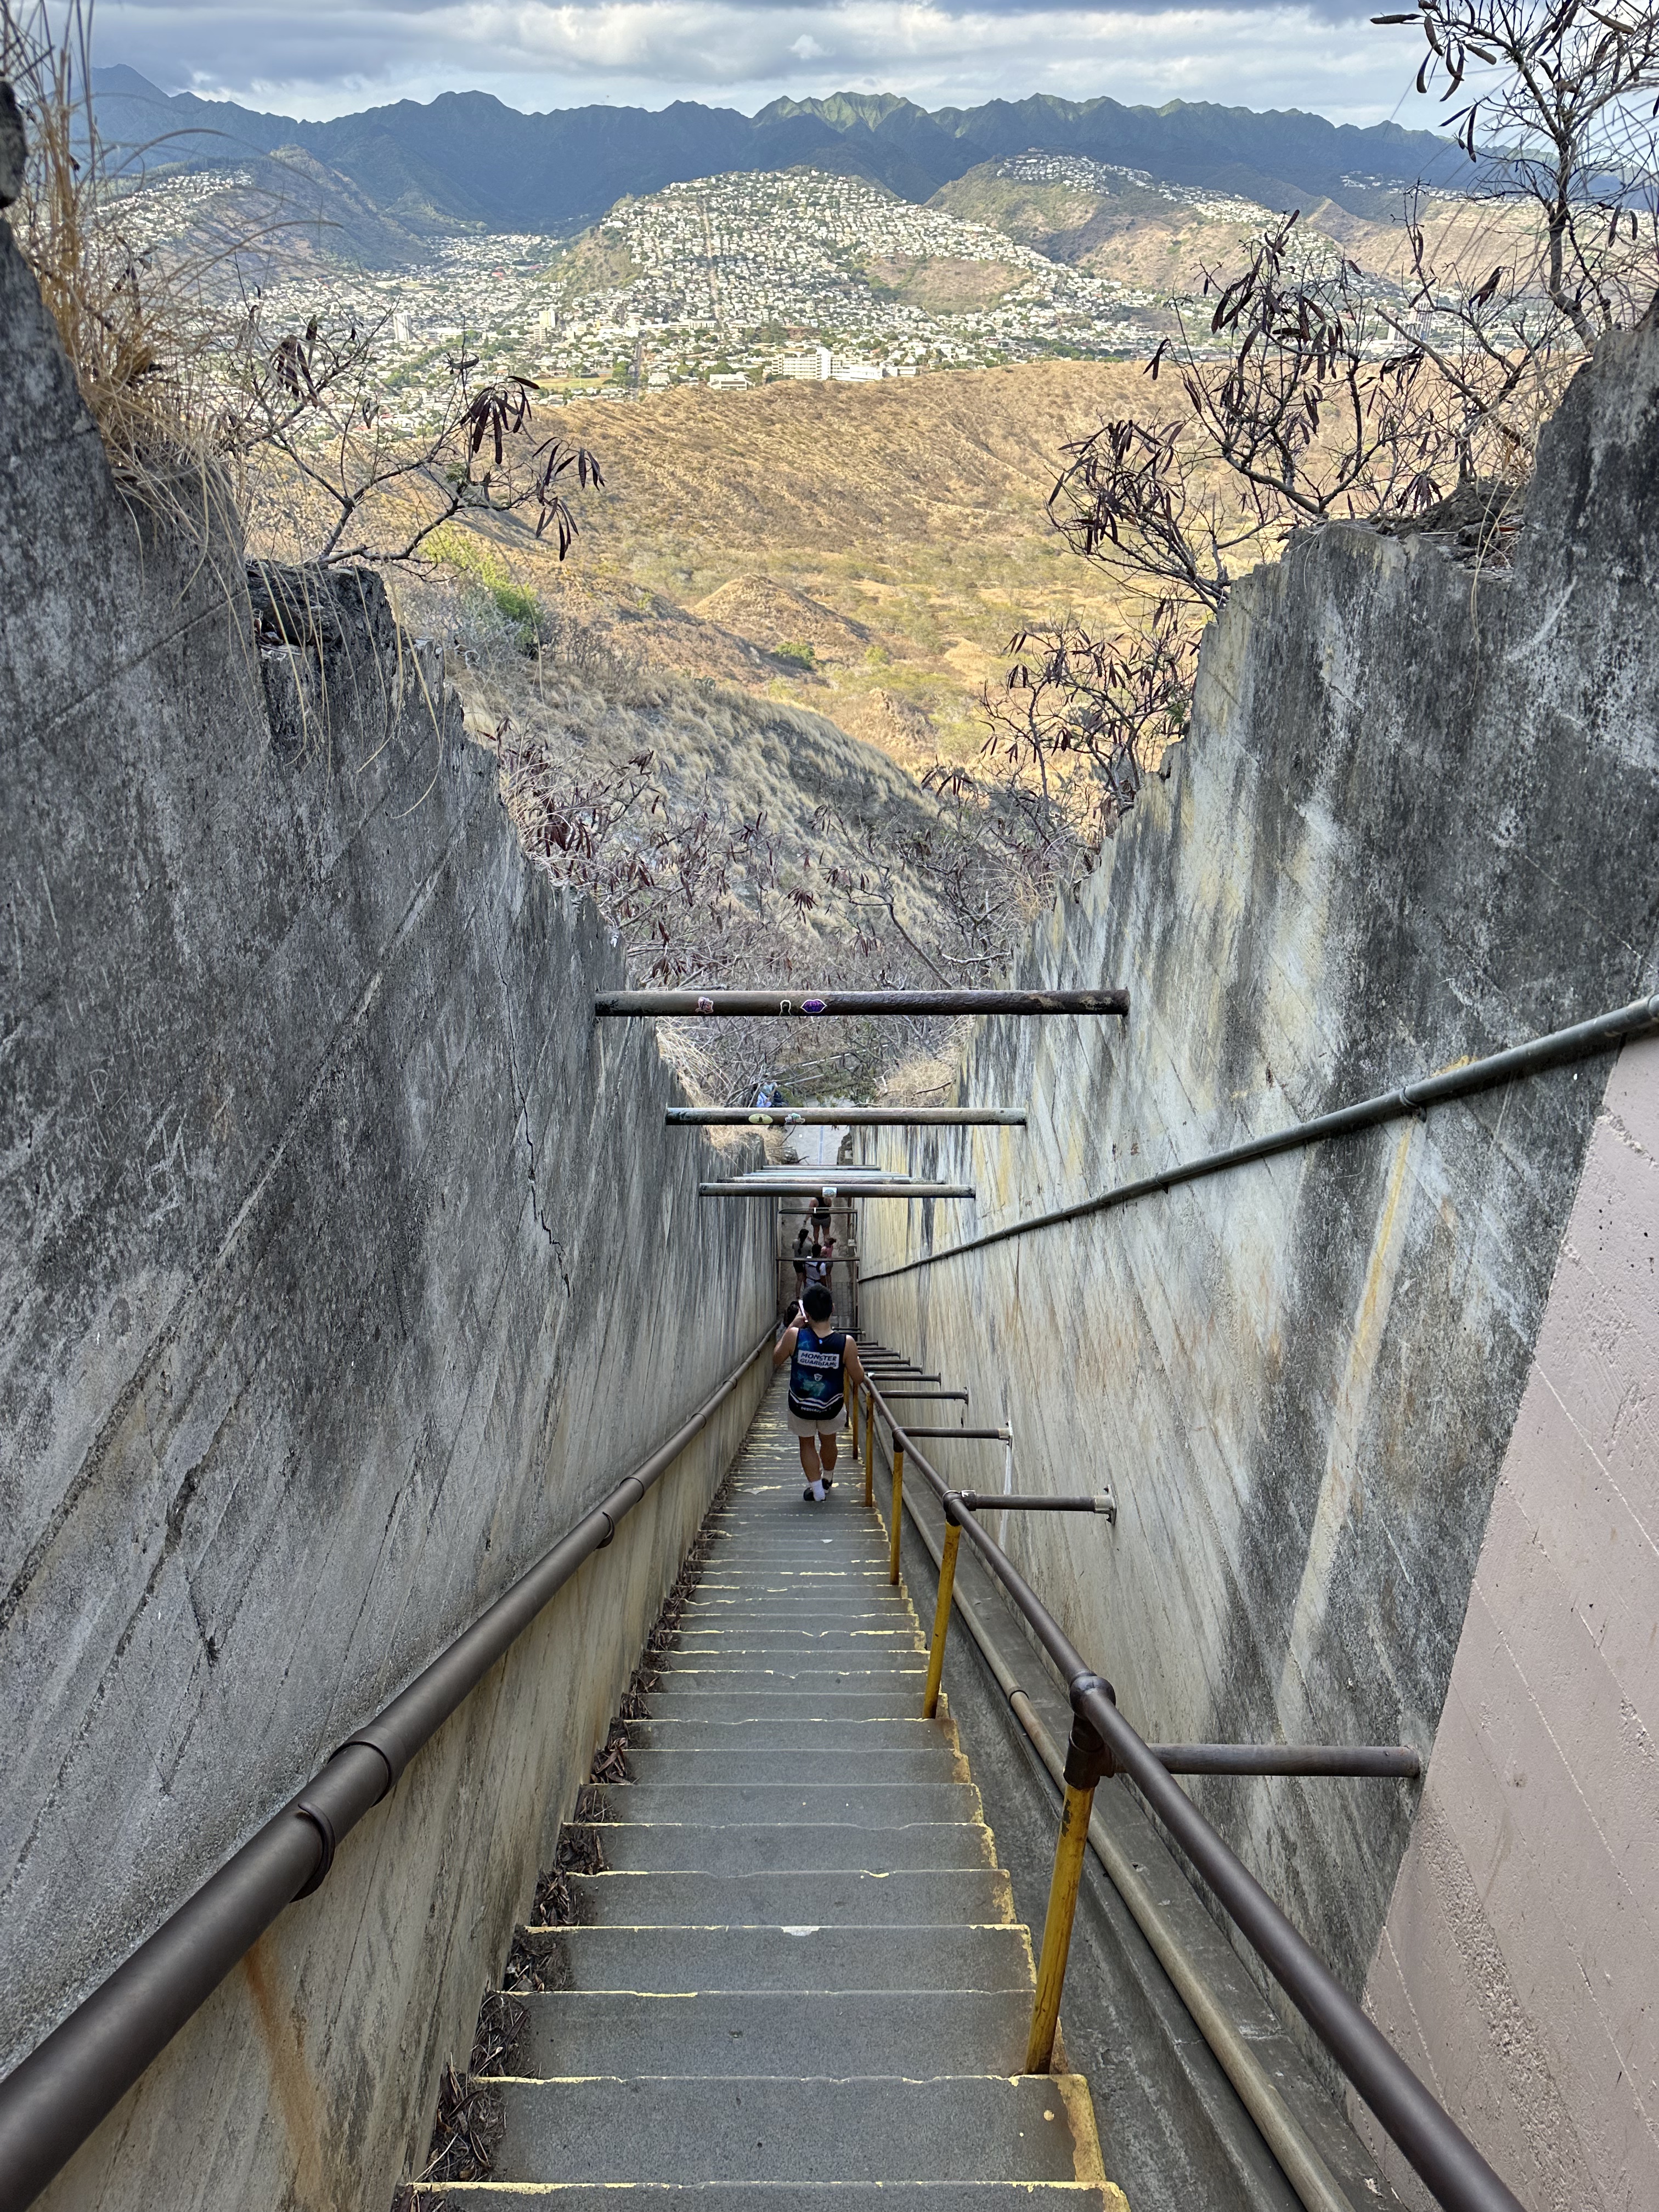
(822, 1360)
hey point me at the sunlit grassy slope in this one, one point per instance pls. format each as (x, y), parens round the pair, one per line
(896, 532)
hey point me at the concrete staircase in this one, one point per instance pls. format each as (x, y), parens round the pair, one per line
(799, 1984)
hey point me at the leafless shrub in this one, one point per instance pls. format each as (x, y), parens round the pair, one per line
(1555, 98)
(1314, 389)
(335, 477)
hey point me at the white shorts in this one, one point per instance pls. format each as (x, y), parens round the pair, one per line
(800, 1426)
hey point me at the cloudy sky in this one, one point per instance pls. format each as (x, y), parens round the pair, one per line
(317, 57)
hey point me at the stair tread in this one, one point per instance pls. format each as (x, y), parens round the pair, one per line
(760, 2128)
(712, 1707)
(810, 1955)
(782, 1767)
(848, 1896)
(808, 1733)
(746, 1847)
(605, 2030)
(789, 2197)
(799, 1985)
(881, 1804)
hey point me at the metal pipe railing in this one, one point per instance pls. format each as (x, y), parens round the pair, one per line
(1358, 1759)
(705, 1004)
(1580, 1041)
(1009, 1501)
(50, 2103)
(1283, 2134)
(805, 1187)
(846, 1117)
(973, 1436)
(1441, 2155)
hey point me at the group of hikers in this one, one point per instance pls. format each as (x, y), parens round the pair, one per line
(815, 1254)
(823, 1360)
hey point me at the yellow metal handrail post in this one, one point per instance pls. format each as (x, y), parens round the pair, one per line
(947, 1583)
(898, 1500)
(1086, 1760)
(852, 1419)
(870, 1448)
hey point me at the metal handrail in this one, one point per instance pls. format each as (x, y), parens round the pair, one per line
(1102, 1743)
(51, 2102)
(1582, 1041)
(846, 1117)
(705, 1004)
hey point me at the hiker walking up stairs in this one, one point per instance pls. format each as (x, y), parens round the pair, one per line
(800, 1982)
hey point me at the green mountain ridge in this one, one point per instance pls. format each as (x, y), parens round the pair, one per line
(466, 159)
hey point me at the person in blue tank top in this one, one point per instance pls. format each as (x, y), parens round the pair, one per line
(822, 1360)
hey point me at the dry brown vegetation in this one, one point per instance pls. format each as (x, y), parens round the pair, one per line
(898, 529)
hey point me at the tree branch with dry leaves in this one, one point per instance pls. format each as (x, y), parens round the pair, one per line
(350, 483)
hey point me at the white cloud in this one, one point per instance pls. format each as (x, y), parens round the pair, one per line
(315, 59)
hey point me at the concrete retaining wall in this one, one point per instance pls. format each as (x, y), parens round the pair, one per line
(1415, 823)
(343, 1262)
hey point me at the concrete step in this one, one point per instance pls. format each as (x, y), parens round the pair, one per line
(768, 1847)
(871, 1804)
(793, 1671)
(848, 1898)
(804, 1954)
(699, 1698)
(784, 2196)
(809, 1734)
(960, 2128)
(961, 2031)
(781, 1770)
(775, 1589)
(833, 1691)
(806, 1617)
(842, 1651)
(810, 1602)
(787, 1631)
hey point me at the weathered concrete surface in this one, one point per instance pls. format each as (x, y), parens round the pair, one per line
(1416, 822)
(344, 1261)
(1519, 1968)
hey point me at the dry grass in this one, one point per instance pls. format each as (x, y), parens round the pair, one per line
(137, 331)
(898, 528)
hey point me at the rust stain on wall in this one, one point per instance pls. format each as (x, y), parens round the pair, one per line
(293, 2092)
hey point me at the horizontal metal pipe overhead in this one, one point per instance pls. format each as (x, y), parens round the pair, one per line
(1357, 1758)
(810, 1004)
(1606, 1033)
(844, 1117)
(865, 1190)
(51, 2102)
(928, 1397)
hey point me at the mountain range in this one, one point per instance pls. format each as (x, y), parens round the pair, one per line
(465, 161)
